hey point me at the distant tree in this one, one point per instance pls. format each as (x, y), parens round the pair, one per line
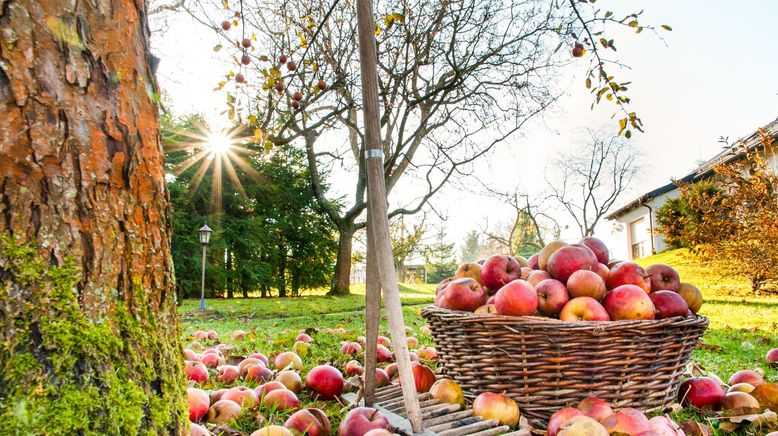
(524, 233)
(439, 258)
(590, 179)
(738, 226)
(469, 248)
(678, 217)
(407, 241)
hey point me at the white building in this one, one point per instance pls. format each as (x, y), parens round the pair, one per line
(635, 222)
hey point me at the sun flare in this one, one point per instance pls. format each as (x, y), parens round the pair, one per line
(219, 143)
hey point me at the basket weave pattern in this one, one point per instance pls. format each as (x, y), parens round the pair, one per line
(546, 364)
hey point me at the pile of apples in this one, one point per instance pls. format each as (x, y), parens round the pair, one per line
(595, 417)
(576, 282)
(259, 384)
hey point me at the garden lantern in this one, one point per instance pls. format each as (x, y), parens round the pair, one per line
(205, 238)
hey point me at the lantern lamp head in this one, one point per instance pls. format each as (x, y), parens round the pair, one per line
(205, 234)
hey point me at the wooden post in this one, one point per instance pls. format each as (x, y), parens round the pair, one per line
(379, 222)
(372, 315)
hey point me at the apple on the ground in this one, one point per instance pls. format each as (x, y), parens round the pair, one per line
(311, 421)
(361, 420)
(223, 411)
(195, 371)
(281, 399)
(583, 426)
(270, 430)
(559, 418)
(702, 393)
(423, 377)
(242, 395)
(291, 380)
(772, 357)
(326, 381)
(489, 405)
(288, 360)
(596, 408)
(448, 391)
(746, 376)
(627, 421)
(198, 402)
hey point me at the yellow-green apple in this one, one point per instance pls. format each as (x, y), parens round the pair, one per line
(560, 417)
(427, 353)
(567, 260)
(443, 283)
(391, 371)
(311, 422)
(497, 406)
(596, 408)
(190, 354)
(383, 354)
(301, 348)
(195, 371)
(585, 283)
(379, 432)
(239, 335)
(326, 381)
(227, 373)
(525, 272)
(448, 391)
(291, 380)
(552, 297)
(598, 247)
(408, 330)
(462, 294)
(382, 377)
(582, 426)
(583, 309)
(627, 421)
(425, 330)
(746, 376)
(692, 295)
(628, 302)
(304, 337)
(242, 395)
(546, 252)
(353, 368)
(383, 340)
(701, 392)
(211, 334)
(537, 276)
(767, 395)
(212, 360)
(469, 270)
(628, 273)
(423, 377)
(772, 357)
(288, 360)
(739, 403)
(281, 399)
(272, 430)
(200, 335)
(223, 411)
(198, 402)
(664, 426)
(261, 357)
(262, 390)
(499, 270)
(198, 430)
(740, 387)
(532, 262)
(487, 309)
(521, 260)
(245, 363)
(258, 373)
(351, 348)
(668, 304)
(602, 271)
(663, 278)
(412, 342)
(361, 420)
(517, 298)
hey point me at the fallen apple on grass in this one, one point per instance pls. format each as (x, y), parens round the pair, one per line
(195, 371)
(746, 376)
(702, 393)
(772, 357)
(227, 373)
(258, 373)
(198, 403)
(271, 430)
(223, 411)
(423, 377)
(382, 377)
(559, 418)
(361, 420)
(288, 360)
(242, 395)
(627, 421)
(596, 408)
(351, 348)
(262, 390)
(353, 368)
(291, 380)
(582, 426)
(326, 381)
(311, 421)
(383, 354)
(198, 430)
(281, 399)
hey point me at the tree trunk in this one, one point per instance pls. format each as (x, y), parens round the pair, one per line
(230, 282)
(282, 275)
(87, 300)
(341, 281)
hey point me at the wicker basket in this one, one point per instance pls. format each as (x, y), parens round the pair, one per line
(546, 364)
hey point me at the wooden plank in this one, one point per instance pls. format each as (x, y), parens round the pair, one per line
(432, 422)
(472, 428)
(399, 424)
(492, 431)
(453, 424)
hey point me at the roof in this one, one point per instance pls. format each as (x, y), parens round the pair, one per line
(730, 154)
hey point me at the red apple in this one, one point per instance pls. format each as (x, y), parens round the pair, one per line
(427, 353)
(422, 376)
(350, 348)
(227, 373)
(487, 309)
(261, 357)
(211, 334)
(628, 273)
(663, 278)
(547, 251)
(322, 85)
(198, 402)
(584, 426)
(296, 105)
(668, 304)
(537, 276)
(270, 430)
(578, 50)
(772, 357)
(499, 270)
(595, 408)
(361, 420)
(739, 403)
(383, 340)
(353, 368)
(198, 430)
(598, 248)
(448, 391)
(383, 432)
(258, 373)
(190, 355)
(583, 309)
(226, 25)
(469, 270)
(701, 392)
(303, 337)
(200, 335)
(525, 272)
(297, 96)
(628, 302)
(282, 59)
(326, 381)
(412, 342)
(552, 297)
(262, 390)
(664, 426)
(382, 377)
(517, 298)
(211, 360)
(239, 335)
(391, 371)
(602, 271)
(496, 406)
(312, 422)
(217, 395)
(288, 360)
(613, 263)
(223, 411)
(585, 283)
(281, 399)
(627, 421)
(692, 295)
(242, 395)
(245, 59)
(443, 283)
(291, 65)
(245, 363)
(195, 371)
(746, 376)
(383, 354)
(462, 294)
(291, 380)
(567, 260)
(560, 417)
(532, 262)
(279, 86)
(246, 43)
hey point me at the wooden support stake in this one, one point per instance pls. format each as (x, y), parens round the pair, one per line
(372, 317)
(379, 221)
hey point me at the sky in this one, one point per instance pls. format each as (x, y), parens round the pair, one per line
(714, 75)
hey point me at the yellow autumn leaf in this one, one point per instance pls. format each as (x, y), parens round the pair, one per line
(303, 40)
(252, 119)
(588, 82)
(377, 30)
(253, 36)
(257, 135)
(622, 125)
(268, 146)
(225, 4)
(220, 86)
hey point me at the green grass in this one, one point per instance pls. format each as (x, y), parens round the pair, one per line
(743, 326)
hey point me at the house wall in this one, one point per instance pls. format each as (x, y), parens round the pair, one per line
(628, 234)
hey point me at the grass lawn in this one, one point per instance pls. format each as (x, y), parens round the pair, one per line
(743, 326)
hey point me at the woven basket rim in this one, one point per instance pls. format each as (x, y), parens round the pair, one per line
(538, 321)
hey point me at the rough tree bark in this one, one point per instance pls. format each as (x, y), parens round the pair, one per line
(341, 280)
(87, 297)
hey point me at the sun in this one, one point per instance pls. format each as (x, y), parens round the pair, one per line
(218, 143)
